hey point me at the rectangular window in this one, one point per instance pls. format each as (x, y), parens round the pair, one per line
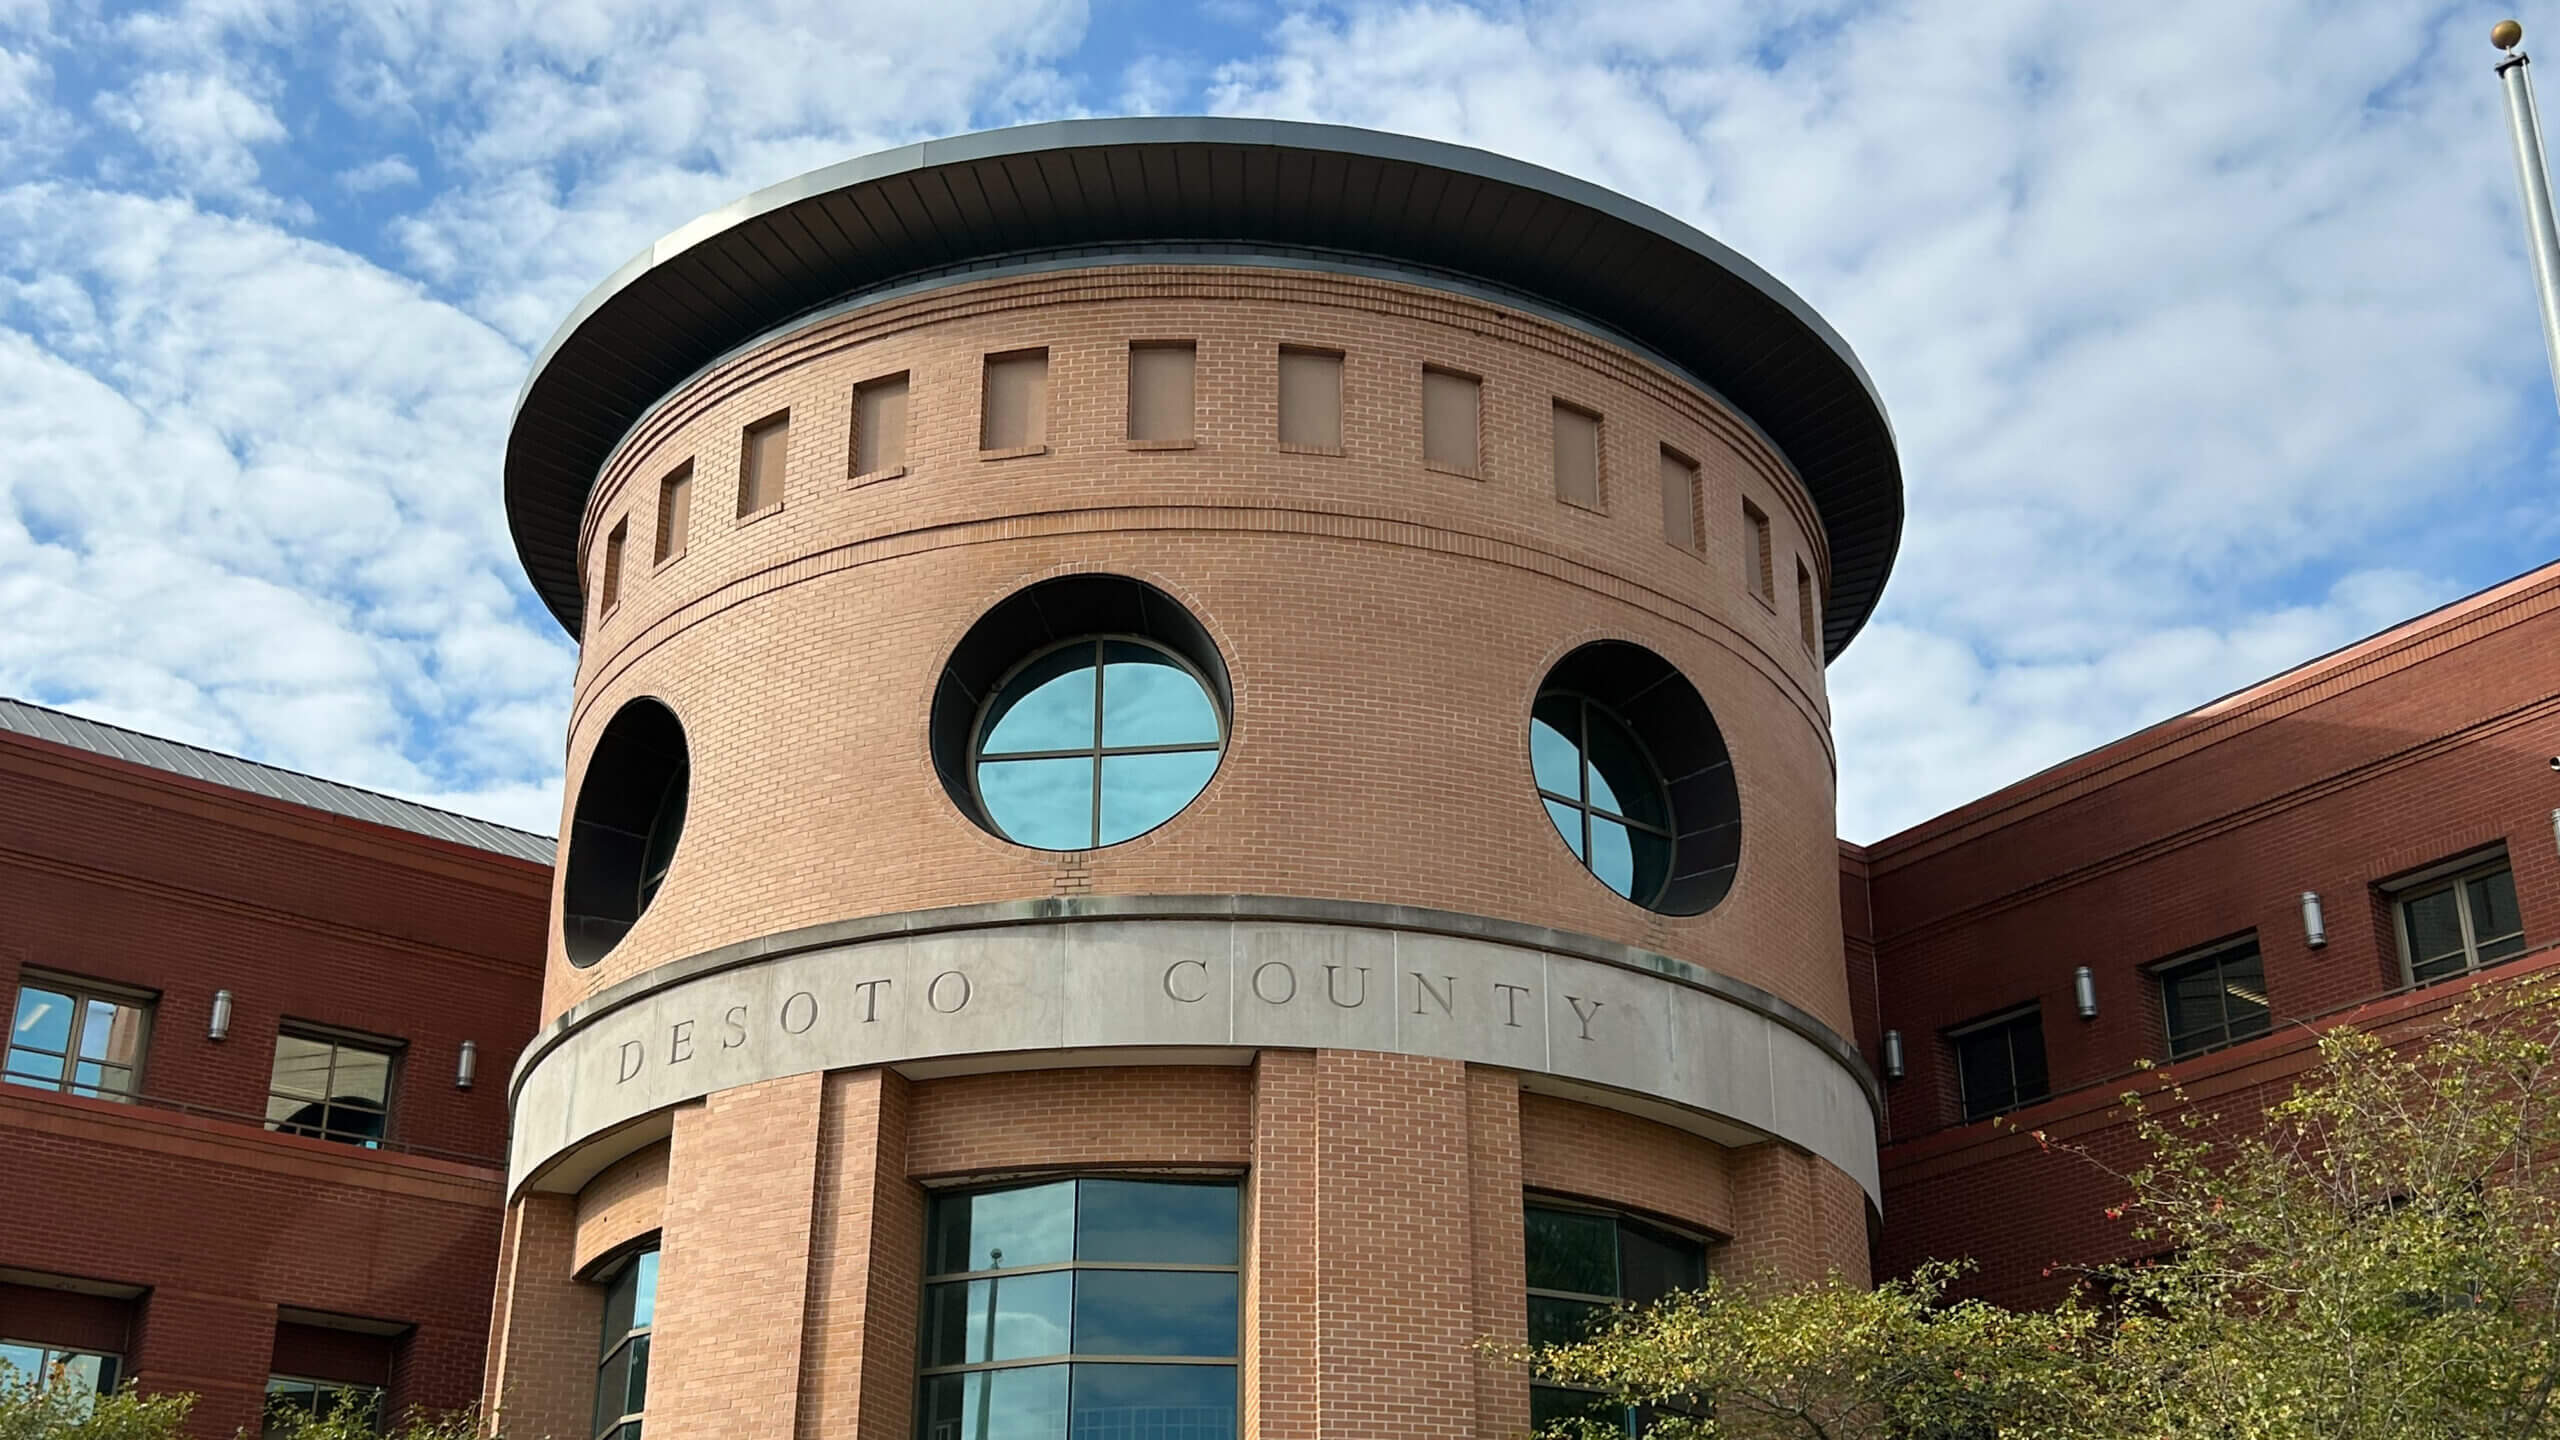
(79, 1036)
(622, 1372)
(2454, 924)
(332, 1086)
(1013, 411)
(1582, 1264)
(1679, 499)
(1311, 399)
(675, 512)
(1084, 1308)
(293, 1401)
(880, 425)
(761, 461)
(610, 593)
(1806, 618)
(1451, 416)
(1577, 434)
(1755, 529)
(89, 1373)
(2000, 1063)
(1161, 376)
(2211, 999)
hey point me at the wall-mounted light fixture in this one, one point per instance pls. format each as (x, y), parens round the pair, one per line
(1893, 1054)
(2084, 992)
(221, 1023)
(2315, 929)
(2555, 829)
(467, 1066)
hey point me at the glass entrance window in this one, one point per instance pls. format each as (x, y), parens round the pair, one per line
(1095, 742)
(622, 1371)
(1100, 1309)
(1603, 793)
(1582, 1264)
(72, 1036)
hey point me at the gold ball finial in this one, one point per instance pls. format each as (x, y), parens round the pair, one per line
(2506, 34)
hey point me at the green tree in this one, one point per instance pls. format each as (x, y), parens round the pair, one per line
(33, 1409)
(2376, 1257)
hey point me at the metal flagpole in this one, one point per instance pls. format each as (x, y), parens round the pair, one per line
(2542, 230)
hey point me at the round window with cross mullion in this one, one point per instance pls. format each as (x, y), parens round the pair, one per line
(1603, 793)
(1093, 742)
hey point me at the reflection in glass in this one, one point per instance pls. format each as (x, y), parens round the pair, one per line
(329, 1088)
(1582, 1265)
(1095, 742)
(1155, 1402)
(1015, 1317)
(1148, 1312)
(1602, 793)
(1022, 1404)
(62, 1038)
(622, 1375)
(1004, 1229)
(1151, 1221)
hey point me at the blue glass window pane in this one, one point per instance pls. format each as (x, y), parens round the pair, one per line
(1045, 803)
(1613, 858)
(1155, 1312)
(1000, 1229)
(1155, 1402)
(1049, 706)
(1554, 754)
(43, 1020)
(1148, 1221)
(26, 1067)
(1147, 699)
(1141, 792)
(1568, 823)
(96, 1027)
(27, 1360)
(644, 1291)
(1029, 1313)
(1024, 1404)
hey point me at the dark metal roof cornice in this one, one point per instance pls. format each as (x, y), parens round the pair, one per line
(796, 247)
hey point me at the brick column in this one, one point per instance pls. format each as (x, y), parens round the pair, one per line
(1794, 1216)
(213, 1346)
(733, 1266)
(542, 1337)
(1500, 1262)
(866, 1265)
(1280, 1298)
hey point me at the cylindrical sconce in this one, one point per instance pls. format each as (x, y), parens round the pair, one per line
(2315, 930)
(221, 1025)
(2555, 829)
(467, 1066)
(1893, 1054)
(2084, 992)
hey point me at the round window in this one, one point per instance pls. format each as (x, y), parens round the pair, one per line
(1082, 712)
(623, 833)
(1633, 772)
(1603, 794)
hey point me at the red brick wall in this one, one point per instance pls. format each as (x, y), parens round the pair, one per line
(112, 872)
(2428, 742)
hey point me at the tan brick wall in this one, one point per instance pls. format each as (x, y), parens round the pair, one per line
(801, 649)
(1623, 1160)
(627, 1199)
(1497, 1159)
(1099, 1118)
(542, 1339)
(1795, 1218)
(866, 1265)
(733, 1267)
(1281, 1399)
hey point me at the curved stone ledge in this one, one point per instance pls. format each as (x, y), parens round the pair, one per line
(1173, 975)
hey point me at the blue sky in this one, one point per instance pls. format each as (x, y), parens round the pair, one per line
(2210, 345)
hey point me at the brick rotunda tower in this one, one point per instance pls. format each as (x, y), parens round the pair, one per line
(1199, 776)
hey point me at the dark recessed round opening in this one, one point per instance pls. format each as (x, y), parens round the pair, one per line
(1081, 712)
(622, 837)
(1633, 774)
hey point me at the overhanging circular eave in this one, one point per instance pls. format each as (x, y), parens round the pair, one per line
(791, 248)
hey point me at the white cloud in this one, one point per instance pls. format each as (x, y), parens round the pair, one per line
(391, 172)
(202, 128)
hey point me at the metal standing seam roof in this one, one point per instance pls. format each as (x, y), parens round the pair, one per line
(1101, 192)
(17, 717)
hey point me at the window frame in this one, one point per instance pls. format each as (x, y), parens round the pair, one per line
(81, 992)
(1098, 751)
(1668, 834)
(1621, 1219)
(319, 1389)
(626, 1424)
(339, 1038)
(51, 1357)
(1954, 1037)
(2453, 875)
(929, 1278)
(2161, 973)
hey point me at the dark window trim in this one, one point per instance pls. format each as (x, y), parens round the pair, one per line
(1964, 1106)
(2452, 875)
(2160, 971)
